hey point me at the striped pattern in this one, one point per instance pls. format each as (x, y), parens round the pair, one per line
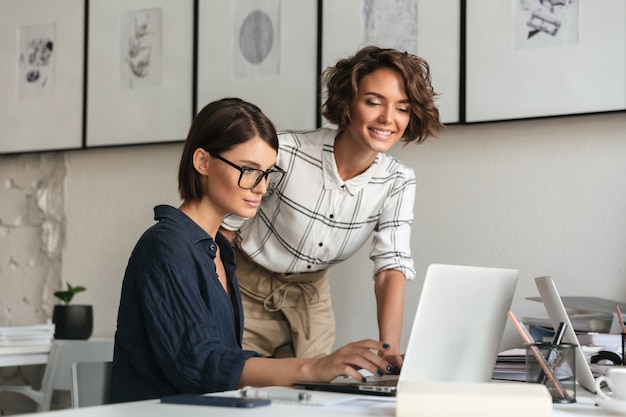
(315, 220)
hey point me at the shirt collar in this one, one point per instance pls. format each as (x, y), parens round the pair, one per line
(188, 226)
(196, 233)
(332, 180)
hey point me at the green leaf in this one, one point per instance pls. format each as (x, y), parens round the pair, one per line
(67, 295)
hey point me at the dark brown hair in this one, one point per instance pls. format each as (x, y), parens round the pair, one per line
(218, 127)
(342, 81)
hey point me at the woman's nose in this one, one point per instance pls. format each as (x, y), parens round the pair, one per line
(385, 115)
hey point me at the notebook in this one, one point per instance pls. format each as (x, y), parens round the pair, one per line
(558, 314)
(456, 332)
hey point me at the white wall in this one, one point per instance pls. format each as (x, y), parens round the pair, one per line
(544, 196)
(110, 197)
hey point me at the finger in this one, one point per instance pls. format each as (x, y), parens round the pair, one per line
(367, 359)
(380, 347)
(395, 361)
(385, 366)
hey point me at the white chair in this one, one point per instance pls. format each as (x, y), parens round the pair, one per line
(90, 383)
(63, 354)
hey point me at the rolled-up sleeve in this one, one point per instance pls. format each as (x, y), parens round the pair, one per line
(391, 243)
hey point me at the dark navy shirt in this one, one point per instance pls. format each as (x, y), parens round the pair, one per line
(178, 331)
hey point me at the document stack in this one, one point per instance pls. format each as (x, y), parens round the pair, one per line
(587, 314)
(511, 365)
(31, 335)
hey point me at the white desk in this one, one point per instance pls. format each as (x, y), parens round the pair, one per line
(24, 355)
(369, 406)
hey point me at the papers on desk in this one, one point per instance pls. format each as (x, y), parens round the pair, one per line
(32, 335)
(587, 314)
(511, 365)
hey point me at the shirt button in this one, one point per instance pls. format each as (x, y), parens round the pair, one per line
(320, 244)
(332, 216)
(212, 247)
(308, 267)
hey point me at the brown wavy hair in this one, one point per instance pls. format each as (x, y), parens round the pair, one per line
(341, 83)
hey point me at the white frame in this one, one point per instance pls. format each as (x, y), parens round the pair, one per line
(161, 113)
(289, 99)
(439, 42)
(44, 123)
(504, 83)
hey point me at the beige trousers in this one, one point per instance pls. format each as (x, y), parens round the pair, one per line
(285, 315)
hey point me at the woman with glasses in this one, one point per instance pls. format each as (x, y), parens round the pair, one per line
(180, 319)
(341, 190)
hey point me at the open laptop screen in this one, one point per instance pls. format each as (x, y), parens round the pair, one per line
(456, 332)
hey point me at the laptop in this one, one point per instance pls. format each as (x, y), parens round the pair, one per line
(558, 314)
(456, 332)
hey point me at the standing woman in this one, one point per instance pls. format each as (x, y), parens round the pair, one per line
(180, 319)
(341, 190)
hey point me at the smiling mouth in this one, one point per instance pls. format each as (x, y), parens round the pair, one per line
(382, 132)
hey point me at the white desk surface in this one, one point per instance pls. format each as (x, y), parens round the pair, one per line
(329, 404)
(24, 355)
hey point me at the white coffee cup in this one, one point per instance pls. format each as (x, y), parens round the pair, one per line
(615, 378)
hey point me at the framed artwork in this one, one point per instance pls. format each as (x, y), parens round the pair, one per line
(262, 51)
(534, 58)
(427, 28)
(41, 75)
(139, 71)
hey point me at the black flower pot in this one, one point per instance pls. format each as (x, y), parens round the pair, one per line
(72, 321)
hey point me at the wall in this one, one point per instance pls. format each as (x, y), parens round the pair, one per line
(32, 232)
(545, 196)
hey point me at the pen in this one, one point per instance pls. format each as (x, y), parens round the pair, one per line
(620, 317)
(275, 394)
(554, 353)
(560, 332)
(542, 363)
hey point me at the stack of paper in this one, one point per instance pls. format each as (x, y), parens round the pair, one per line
(511, 365)
(587, 314)
(38, 334)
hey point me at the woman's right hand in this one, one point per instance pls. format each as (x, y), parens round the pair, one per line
(348, 359)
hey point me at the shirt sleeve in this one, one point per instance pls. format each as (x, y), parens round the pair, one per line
(233, 222)
(186, 335)
(391, 242)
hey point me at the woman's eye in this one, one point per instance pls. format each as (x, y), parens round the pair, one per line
(372, 103)
(403, 109)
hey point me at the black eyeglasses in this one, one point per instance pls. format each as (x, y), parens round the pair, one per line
(251, 177)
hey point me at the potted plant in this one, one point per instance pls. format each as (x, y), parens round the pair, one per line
(72, 321)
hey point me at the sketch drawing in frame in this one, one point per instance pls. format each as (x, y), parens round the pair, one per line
(140, 47)
(37, 66)
(256, 47)
(540, 58)
(545, 23)
(139, 71)
(428, 28)
(262, 52)
(41, 75)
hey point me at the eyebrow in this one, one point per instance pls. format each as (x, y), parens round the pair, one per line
(378, 95)
(255, 165)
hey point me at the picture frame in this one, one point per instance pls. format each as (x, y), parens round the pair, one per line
(264, 52)
(140, 65)
(41, 75)
(427, 28)
(515, 71)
